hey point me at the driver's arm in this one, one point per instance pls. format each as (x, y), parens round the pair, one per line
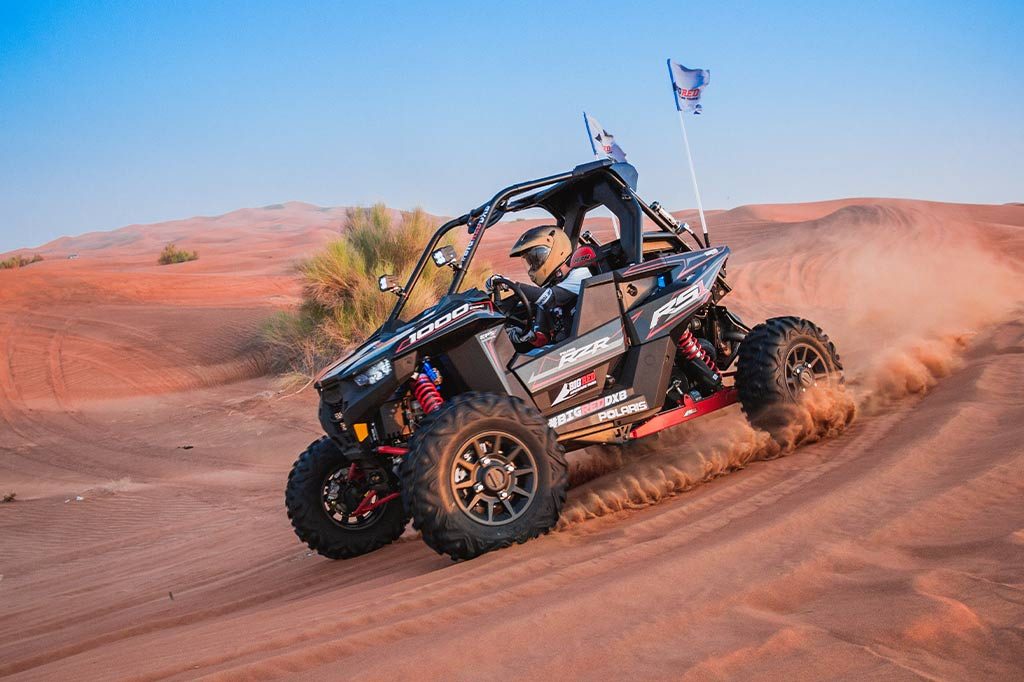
(544, 300)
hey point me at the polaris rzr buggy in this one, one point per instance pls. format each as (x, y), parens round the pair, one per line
(443, 419)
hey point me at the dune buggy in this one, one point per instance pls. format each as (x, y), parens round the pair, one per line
(443, 419)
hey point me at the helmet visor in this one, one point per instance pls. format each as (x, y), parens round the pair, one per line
(536, 256)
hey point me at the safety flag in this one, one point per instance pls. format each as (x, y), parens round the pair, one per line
(601, 141)
(687, 85)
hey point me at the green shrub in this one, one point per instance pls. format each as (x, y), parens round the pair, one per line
(342, 303)
(19, 261)
(172, 254)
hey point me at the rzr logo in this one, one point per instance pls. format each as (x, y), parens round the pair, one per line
(576, 386)
(560, 363)
(571, 356)
(679, 303)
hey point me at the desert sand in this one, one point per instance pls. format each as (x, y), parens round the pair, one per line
(148, 448)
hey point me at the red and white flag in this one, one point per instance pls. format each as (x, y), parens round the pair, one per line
(601, 141)
(687, 86)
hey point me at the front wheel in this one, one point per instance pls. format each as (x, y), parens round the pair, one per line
(483, 472)
(324, 493)
(779, 361)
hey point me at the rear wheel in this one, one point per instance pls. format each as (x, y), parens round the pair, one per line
(483, 472)
(779, 362)
(323, 497)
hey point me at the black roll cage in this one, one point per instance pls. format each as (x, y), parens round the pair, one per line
(568, 198)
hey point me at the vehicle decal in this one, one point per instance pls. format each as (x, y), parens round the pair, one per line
(487, 340)
(586, 409)
(576, 386)
(677, 304)
(562, 363)
(439, 323)
(689, 287)
(634, 407)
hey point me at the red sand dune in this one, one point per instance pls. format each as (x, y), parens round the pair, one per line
(894, 551)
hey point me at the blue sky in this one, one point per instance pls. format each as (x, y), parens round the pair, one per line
(116, 113)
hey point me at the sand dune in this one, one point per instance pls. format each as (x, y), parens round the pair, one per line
(893, 551)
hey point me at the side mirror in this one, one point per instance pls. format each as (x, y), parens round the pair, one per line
(389, 283)
(445, 256)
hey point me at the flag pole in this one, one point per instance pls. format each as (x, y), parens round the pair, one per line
(693, 176)
(598, 156)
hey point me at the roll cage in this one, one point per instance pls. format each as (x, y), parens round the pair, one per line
(568, 197)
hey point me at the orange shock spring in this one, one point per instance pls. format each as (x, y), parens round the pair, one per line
(692, 350)
(426, 393)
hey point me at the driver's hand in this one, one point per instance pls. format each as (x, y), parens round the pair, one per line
(492, 283)
(521, 336)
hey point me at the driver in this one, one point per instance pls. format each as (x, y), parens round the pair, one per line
(546, 249)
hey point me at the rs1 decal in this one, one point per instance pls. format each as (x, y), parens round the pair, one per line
(623, 410)
(678, 303)
(585, 409)
(576, 386)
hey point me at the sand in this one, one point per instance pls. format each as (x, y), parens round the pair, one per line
(148, 449)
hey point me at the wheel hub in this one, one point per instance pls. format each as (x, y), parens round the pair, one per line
(804, 376)
(494, 478)
(805, 367)
(341, 495)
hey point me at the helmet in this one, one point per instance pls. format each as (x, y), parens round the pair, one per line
(545, 248)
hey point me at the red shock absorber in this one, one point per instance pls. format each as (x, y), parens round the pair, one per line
(692, 349)
(426, 393)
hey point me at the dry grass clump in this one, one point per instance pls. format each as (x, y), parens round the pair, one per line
(342, 303)
(19, 261)
(172, 254)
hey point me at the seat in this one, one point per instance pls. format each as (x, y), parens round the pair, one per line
(584, 256)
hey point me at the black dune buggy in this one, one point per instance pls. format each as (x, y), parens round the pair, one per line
(443, 419)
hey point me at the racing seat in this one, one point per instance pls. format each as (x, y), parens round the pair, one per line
(596, 257)
(585, 256)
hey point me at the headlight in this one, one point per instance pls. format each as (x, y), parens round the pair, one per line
(374, 373)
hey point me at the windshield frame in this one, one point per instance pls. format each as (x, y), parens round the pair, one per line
(482, 218)
(478, 220)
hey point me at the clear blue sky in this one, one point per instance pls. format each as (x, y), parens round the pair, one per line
(115, 113)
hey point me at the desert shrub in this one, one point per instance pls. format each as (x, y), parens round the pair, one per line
(341, 302)
(19, 261)
(172, 254)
